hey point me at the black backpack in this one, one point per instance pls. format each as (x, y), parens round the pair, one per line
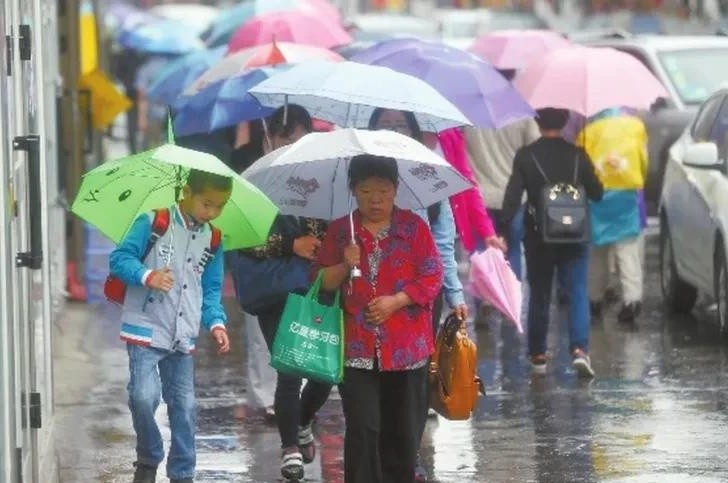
(564, 214)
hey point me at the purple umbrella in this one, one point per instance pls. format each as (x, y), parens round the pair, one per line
(471, 84)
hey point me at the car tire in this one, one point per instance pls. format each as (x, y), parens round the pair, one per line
(679, 296)
(720, 288)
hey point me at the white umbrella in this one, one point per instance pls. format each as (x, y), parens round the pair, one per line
(310, 177)
(347, 93)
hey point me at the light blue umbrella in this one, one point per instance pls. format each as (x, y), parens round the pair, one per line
(169, 84)
(163, 37)
(223, 104)
(347, 93)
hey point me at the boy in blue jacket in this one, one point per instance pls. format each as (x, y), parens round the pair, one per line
(174, 288)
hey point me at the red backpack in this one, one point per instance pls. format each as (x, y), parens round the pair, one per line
(115, 289)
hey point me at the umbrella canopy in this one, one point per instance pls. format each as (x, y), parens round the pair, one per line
(259, 56)
(493, 281)
(586, 80)
(289, 26)
(163, 37)
(230, 20)
(347, 93)
(481, 92)
(169, 84)
(114, 194)
(310, 177)
(194, 16)
(222, 104)
(515, 49)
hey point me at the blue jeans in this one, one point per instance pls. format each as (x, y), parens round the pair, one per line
(571, 262)
(515, 238)
(156, 373)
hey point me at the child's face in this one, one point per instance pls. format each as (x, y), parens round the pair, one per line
(205, 206)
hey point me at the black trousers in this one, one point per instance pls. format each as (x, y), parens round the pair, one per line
(292, 407)
(383, 412)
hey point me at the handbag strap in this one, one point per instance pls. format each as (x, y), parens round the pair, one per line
(576, 168)
(313, 292)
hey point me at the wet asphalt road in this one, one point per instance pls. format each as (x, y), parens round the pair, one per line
(655, 413)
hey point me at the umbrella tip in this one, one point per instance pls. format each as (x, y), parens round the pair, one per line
(170, 128)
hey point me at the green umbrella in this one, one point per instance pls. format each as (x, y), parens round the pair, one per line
(114, 194)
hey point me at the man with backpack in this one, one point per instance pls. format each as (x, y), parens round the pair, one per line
(559, 179)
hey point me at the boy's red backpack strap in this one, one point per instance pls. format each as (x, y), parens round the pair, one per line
(160, 225)
(215, 239)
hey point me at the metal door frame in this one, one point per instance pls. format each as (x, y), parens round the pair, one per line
(8, 454)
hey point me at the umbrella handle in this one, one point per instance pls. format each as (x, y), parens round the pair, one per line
(355, 271)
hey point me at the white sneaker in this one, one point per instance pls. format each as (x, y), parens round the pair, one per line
(582, 364)
(292, 465)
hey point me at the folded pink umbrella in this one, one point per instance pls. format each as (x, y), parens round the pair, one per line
(289, 26)
(493, 281)
(588, 80)
(515, 49)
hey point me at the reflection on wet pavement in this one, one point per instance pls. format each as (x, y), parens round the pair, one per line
(655, 413)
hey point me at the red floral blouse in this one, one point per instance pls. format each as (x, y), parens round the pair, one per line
(407, 261)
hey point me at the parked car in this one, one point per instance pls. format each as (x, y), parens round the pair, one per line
(694, 212)
(460, 27)
(690, 67)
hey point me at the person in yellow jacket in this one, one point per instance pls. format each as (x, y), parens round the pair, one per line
(616, 141)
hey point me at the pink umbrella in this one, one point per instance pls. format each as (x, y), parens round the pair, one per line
(290, 26)
(493, 281)
(588, 80)
(259, 56)
(514, 49)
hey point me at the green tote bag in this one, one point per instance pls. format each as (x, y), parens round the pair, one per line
(310, 338)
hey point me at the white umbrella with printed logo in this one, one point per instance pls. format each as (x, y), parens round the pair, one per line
(310, 177)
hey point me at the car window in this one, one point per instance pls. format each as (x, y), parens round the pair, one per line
(704, 120)
(719, 131)
(696, 73)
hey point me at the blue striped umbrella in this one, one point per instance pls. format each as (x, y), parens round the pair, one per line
(223, 104)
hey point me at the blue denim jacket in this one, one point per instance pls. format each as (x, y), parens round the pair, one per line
(444, 233)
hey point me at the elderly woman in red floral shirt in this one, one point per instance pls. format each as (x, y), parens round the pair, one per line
(388, 322)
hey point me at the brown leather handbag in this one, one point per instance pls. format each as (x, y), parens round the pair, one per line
(454, 382)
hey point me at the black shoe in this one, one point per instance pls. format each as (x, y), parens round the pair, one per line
(629, 312)
(611, 296)
(144, 473)
(181, 480)
(596, 309)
